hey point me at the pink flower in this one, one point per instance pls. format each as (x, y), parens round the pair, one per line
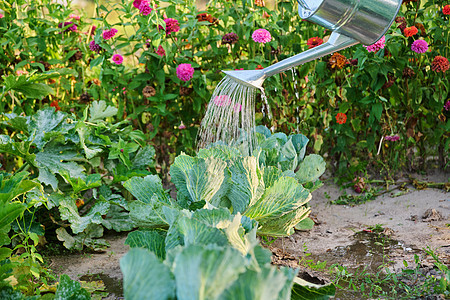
(182, 126)
(73, 26)
(380, 44)
(392, 138)
(74, 16)
(261, 36)
(137, 3)
(161, 52)
(107, 34)
(1, 16)
(222, 100)
(185, 72)
(172, 25)
(117, 59)
(419, 46)
(447, 105)
(145, 8)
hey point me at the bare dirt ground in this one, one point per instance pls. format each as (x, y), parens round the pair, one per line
(413, 219)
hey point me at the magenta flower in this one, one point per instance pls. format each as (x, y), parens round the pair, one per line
(222, 100)
(1, 16)
(94, 47)
(392, 138)
(145, 8)
(107, 34)
(73, 26)
(185, 72)
(419, 46)
(447, 105)
(378, 45)
(137, 3)
(261, 36)
(117, 59)
(182, 126)
(161, 52)
(172, 25)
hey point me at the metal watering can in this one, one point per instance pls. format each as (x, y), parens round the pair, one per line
(352, 22)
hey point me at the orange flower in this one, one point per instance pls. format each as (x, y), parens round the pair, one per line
(260, 3)
(410, 31)
(79, 203)
(440, 64)
(55, 104)
(337, 61)
(259, 67)
(341, 118)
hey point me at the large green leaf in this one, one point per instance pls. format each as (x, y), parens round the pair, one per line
(311, 168)
(22, 149)
(247, 183)
(303, 290)
(285, 195)
(27, 87)
(145, 276)
(144, 189)
(69, 212)
(99, 111)
(89, 238)
(15, 186)
(203, 273)
(222, 152)
(284, 225)
(266, 284)
(43, 122)
(69, 289)
(84, 132)
(144, 157)
(153, 240)
(198, 179)
(117, 219)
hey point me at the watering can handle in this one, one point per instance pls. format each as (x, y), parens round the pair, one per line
(336, 42)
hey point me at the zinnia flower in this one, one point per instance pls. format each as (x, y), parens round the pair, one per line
(185, 72)
(447, 105)
(440, 64)
(314, 42)
(260, 3)
(410, 31)
(149, 91)
(408, 73)
(172, 25)
(204, 17)
(73, 26)
(341, 118)
(402, 23)
(145, 8)
(380, 44)
(117, 59)
(337, 61)
(230, 38)
(94, 47)
(1, 16)
(261, 36)
(419, 46)
(222, 100)
(446, 10)
(137, 3)
(107, 34)
(55, 104)
(73, 16)
(392, 138)
(160, 51)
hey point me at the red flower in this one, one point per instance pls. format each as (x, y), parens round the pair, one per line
(410, 31)
(446, 10)
(440, 64)
(259, 67)
(341, 118)
(314, 42)
(55, 105)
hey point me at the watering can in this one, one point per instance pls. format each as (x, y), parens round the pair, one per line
(351, 21)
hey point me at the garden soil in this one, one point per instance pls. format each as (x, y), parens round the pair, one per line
(411, 219)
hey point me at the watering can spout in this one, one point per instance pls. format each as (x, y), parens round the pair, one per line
(255, 78)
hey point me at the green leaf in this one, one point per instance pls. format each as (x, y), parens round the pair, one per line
(99, 111)
(311, 168)
(153, 240)
(90, 238)
(21, 149)
(309, 291)
(53, 73)
(144, 189)
(91, 181)
(305, 224)
(203, 273)
(83, 132)
(145, 277)
(247, 183)
(144, 157)
(4, 253)
(69, 289)
(69, 212)
(118, 219)
(266, 283)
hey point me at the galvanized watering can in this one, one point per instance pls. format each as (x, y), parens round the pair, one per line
(351, 21)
